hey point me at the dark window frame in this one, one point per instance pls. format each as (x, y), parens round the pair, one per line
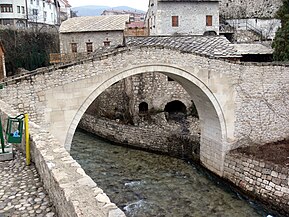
(6, 8)
(89, 47)
(73, 47)
(106, 43)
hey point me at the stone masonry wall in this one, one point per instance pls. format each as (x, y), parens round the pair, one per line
(156, 90)
(191, 17)
(111, 102)
(123, 98)
(73, 193)
(96, 38)
(249, 9)
(161, 138)
(267, 181)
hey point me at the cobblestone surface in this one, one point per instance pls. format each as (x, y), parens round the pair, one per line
(21, 191)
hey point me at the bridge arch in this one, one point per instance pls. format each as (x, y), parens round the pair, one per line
(212, 121)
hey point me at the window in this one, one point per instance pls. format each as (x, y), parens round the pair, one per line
(89, 47)
(31, 1)
(6, 8)
(44, 4)
(18, 9)
(35, 12)
(49, 5)
(73, 47)
(44, 15)
(209, 20)
(106, 43)
(37, 2)
(175, 21)
(23, 10)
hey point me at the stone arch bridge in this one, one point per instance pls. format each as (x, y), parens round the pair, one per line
(237, 103)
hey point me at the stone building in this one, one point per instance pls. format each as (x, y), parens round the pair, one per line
(193, 17)
(85, 34)
(2, 62)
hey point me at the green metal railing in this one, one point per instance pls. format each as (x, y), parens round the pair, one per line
(2, 137)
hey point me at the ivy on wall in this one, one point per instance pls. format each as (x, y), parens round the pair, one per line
(281, 41)
(27, 49)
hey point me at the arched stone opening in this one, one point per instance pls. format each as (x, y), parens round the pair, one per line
(143, 108)
(210, 33)
(175, 110)
(212, 122)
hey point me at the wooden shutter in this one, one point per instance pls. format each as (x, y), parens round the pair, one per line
(209, 20)
(175, 21)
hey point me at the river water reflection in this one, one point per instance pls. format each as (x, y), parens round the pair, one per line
(144, 184)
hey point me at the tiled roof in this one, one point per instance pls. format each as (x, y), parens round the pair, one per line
(212, 46)
(94, 24)
(252, 49)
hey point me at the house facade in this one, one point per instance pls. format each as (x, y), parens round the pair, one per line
(25, 13)
(85, 34)
(183, 17)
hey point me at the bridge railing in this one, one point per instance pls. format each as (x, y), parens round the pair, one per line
(55, 58)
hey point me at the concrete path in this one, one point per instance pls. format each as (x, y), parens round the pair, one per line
(21, 191)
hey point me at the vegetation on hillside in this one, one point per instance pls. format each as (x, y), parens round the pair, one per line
(281, 41)
(27, 49)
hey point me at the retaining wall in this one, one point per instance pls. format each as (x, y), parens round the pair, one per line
(73, 193)
(267, 181)
(165, 138)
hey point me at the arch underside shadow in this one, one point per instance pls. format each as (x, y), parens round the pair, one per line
(212, 122)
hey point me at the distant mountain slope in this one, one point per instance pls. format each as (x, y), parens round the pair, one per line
(93, 10)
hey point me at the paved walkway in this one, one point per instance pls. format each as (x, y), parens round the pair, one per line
(21, 191)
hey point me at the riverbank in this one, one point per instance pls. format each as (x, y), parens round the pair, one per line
(260, 173)
(148, 184)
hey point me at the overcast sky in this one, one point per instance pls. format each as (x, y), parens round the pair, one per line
(138, 4)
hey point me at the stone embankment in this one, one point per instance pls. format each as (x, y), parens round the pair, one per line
(164, 138)
(267, 181)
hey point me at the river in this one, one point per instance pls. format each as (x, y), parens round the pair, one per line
(144, 184)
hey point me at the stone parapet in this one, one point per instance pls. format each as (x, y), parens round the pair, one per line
(267, 181)
(73, 193)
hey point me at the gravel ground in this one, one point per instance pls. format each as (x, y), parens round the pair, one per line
(21, 191)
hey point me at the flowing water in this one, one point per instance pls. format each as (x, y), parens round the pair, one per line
(143, 184)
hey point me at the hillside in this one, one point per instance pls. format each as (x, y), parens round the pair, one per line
(93, 10)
